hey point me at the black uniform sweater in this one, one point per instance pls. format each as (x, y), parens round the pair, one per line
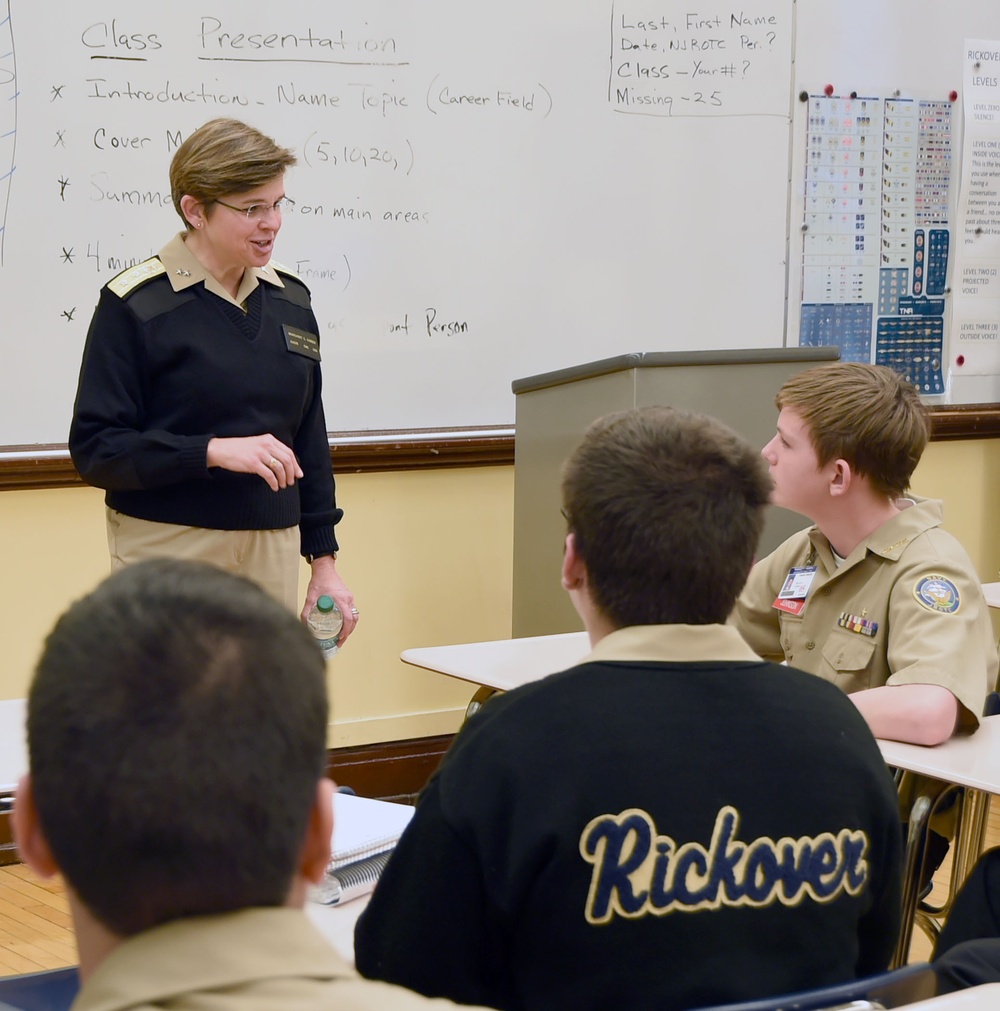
(164, 372)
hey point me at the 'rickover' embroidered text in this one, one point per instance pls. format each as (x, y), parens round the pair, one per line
(637, 872)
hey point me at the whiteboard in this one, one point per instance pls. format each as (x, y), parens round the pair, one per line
(484, 192)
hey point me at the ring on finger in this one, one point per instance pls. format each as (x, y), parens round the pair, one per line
(272, 462)
(354, 611)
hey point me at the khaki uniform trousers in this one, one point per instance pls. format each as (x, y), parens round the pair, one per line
(268, 557)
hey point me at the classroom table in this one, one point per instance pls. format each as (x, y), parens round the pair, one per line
(969, 761)
(13, 748)
(336, 924)
(13, 764)
(504, 663)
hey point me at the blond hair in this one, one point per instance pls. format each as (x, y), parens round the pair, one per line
(224, 157)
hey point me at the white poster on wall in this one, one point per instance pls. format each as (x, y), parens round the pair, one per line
(975, 345)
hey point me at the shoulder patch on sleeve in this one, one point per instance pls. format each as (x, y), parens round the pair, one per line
(128, 280)
(937, 593)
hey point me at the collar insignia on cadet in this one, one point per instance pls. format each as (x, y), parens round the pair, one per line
(896, 544)
(182, 272)
(937, 593)
(128, 280)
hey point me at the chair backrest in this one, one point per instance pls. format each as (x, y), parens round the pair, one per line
(890, 989)
(52, 990)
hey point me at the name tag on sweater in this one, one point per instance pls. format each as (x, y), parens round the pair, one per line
(301, 342)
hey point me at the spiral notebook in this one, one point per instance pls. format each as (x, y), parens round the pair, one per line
(364, 834)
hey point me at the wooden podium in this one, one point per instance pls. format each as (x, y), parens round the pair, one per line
(554, 409)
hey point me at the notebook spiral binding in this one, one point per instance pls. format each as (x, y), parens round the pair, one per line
(350, 881)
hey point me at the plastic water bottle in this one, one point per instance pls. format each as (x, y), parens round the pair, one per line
(325, 622)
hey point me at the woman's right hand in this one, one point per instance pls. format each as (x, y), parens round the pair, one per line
(263, 455)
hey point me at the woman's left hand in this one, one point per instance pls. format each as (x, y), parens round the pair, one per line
(326, 579)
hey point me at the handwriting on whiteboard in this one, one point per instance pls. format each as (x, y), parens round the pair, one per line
(671, 59)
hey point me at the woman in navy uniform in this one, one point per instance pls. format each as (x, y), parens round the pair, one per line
(199, 408)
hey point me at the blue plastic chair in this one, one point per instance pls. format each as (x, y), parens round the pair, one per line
(51, 990)
(890, 989)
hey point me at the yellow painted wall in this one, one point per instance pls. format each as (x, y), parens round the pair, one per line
(966, 475)
(428, 555)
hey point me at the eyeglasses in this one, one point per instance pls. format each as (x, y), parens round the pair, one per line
(255, 212)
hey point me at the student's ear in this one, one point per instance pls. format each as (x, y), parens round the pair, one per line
(32, 846)
(841, 478)
(314, 857)
(574, 572)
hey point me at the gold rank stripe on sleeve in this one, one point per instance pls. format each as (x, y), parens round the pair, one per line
(130, 279)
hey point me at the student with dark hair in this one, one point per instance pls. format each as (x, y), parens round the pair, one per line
(672, 823)
(177, 741)
(876, 597)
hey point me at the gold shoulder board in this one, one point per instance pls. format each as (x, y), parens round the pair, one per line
(282, 269)
(130, 279)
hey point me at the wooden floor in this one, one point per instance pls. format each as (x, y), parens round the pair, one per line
(35, 928)
(36, 932)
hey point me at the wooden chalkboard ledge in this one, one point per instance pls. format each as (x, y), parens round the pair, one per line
(49, 466)
(38, 466)
(965, 421)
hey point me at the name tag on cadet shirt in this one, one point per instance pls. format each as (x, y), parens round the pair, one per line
(301, 342)
(792, 597)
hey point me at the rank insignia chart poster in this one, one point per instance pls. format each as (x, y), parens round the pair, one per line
(876, 230)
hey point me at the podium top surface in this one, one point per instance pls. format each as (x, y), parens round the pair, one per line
(661, 359)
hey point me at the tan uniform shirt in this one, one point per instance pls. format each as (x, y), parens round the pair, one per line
(252, 960)
(911, 579)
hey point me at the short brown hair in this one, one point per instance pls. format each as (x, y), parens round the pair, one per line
(868, 415)
(666, 508)
(222, 157)
(177, 730)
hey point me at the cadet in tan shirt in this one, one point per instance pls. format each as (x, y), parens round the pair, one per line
(177, 739)
(875, 597)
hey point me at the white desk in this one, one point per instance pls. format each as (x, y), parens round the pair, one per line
(336, 924)
(13, 748)
(504, 663)
(971, 761)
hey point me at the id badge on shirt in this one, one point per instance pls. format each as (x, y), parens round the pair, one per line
(792, 596)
